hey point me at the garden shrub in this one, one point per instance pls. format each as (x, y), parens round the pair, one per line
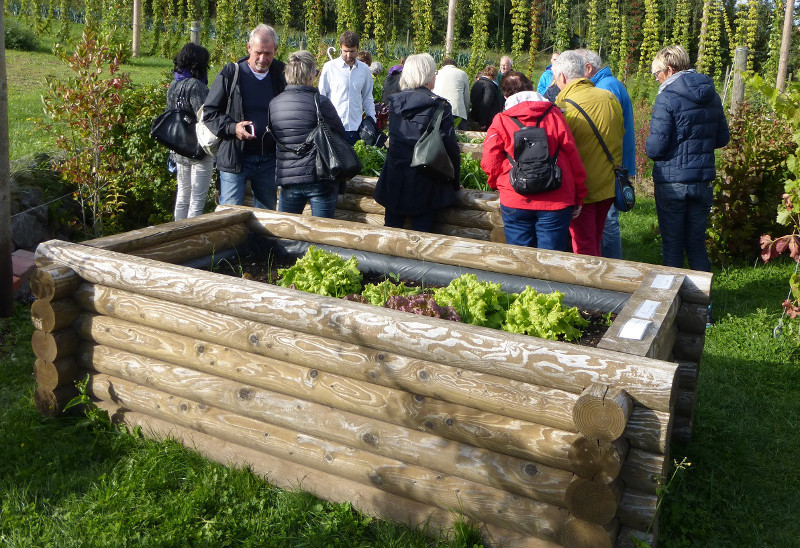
(19, 37)
(750, 182)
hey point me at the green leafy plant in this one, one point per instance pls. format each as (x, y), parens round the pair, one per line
(95, 418)
(90, 105)
(543, 315)
(323, 273)
(377, 294)
(472, 174)
(372, 158)
(749, 183)
(19, 36)
(476, 302)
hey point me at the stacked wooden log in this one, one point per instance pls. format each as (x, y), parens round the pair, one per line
(409, 418)
(475, 214)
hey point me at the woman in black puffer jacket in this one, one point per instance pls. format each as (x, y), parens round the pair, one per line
(292, 116)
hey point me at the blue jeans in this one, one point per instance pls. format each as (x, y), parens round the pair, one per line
(321, 196)
(537, 228)
(683, 211)
(260, 171)
(612, 240)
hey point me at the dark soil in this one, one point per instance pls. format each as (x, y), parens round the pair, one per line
(258, 269)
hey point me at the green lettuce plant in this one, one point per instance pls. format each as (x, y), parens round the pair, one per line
(323, 273)
(476, 302)
(542, 315)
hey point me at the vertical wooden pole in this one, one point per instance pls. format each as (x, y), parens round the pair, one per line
(194, 29)
(137, 27)
(739, 66)
(6, 270)
(786, 43)
(451, 23)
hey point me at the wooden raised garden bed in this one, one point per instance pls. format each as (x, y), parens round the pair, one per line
(410, 418)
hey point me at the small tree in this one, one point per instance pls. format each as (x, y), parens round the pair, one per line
(519, 27)
(537, 8)
(480, 36)
(650, 41)
(90, 105)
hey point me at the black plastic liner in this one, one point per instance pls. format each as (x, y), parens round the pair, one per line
(378, 264)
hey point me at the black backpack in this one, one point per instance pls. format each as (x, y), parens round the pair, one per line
(533, 170)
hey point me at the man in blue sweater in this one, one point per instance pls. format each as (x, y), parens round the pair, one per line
(602, 78)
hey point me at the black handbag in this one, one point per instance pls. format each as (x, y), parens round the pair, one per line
(369, 133)
(624, 193)
(429, 152)
(336, 159)
(174, 128)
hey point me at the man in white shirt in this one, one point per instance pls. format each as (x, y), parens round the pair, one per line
(347, 82)
(452, 83)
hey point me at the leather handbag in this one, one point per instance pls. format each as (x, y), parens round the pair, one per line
(429, 152)
(174, 128)
(624, 193)
(207, 138)
(369, 133)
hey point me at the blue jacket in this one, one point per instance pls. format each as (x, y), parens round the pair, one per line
(687, 124)
(545, 80)
(605, 80)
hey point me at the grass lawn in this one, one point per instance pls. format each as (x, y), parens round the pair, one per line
(63, 484)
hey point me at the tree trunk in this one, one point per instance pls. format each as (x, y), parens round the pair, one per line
(786, 44)
(6, 272)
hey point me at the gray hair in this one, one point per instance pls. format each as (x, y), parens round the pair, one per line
(671, 56)
(418, 71)
(591, 58)
(570, 63)
(510, 60)
(301, 67)
(264, 32)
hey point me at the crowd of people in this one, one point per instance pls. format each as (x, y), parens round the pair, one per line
(264, 110)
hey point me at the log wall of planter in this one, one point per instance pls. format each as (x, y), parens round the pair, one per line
(409, 418)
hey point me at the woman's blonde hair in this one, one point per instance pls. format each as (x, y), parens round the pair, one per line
(418, 71)
(301, 68)
(671, 56)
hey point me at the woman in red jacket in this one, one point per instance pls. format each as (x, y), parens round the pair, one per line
(535, 220)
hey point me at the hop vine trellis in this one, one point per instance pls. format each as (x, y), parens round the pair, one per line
(627, 34)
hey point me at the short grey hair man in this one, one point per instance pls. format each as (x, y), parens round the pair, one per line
(301, 68)
(265, 33)
(571, 65)
(419, 71)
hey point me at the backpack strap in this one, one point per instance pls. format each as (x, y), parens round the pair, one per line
(538, 121)
(594, 128)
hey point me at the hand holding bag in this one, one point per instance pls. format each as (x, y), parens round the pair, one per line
(624, 193)
(429, 152)
(174, 128)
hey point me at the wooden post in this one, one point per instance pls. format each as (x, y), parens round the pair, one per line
(602, 412)
(6, 270)
(739, 66)
(451, 23)
(137, 27)
(194, 30)
(786, 44)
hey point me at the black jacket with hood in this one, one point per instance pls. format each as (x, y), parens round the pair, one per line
(231, 149)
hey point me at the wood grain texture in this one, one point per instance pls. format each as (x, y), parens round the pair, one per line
(465, 198)
(205, 244)
(431, 520)
(51, 402)
(602, 412)
(53, 346)
(428, 487)
(127, 242)
(578, 533)
(644, 471)
(689, 346)
(53, 315)
(474, 150)
(652, 304)
(637, 510)
(52, 375)
(649, 430)
(592, 501)
(552, 364)
(547, 445)
(377, 220)
(365, 432)
(688, 372)
(50, 283)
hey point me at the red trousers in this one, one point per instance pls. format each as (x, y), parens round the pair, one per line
(587, 228)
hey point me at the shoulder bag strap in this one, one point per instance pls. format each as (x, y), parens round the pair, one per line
(234, 83)
(306, 145)
(594, 128)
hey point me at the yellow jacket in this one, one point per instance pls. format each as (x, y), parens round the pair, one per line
(606, 113)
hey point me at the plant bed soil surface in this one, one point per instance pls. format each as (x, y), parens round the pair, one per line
(266, 271)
